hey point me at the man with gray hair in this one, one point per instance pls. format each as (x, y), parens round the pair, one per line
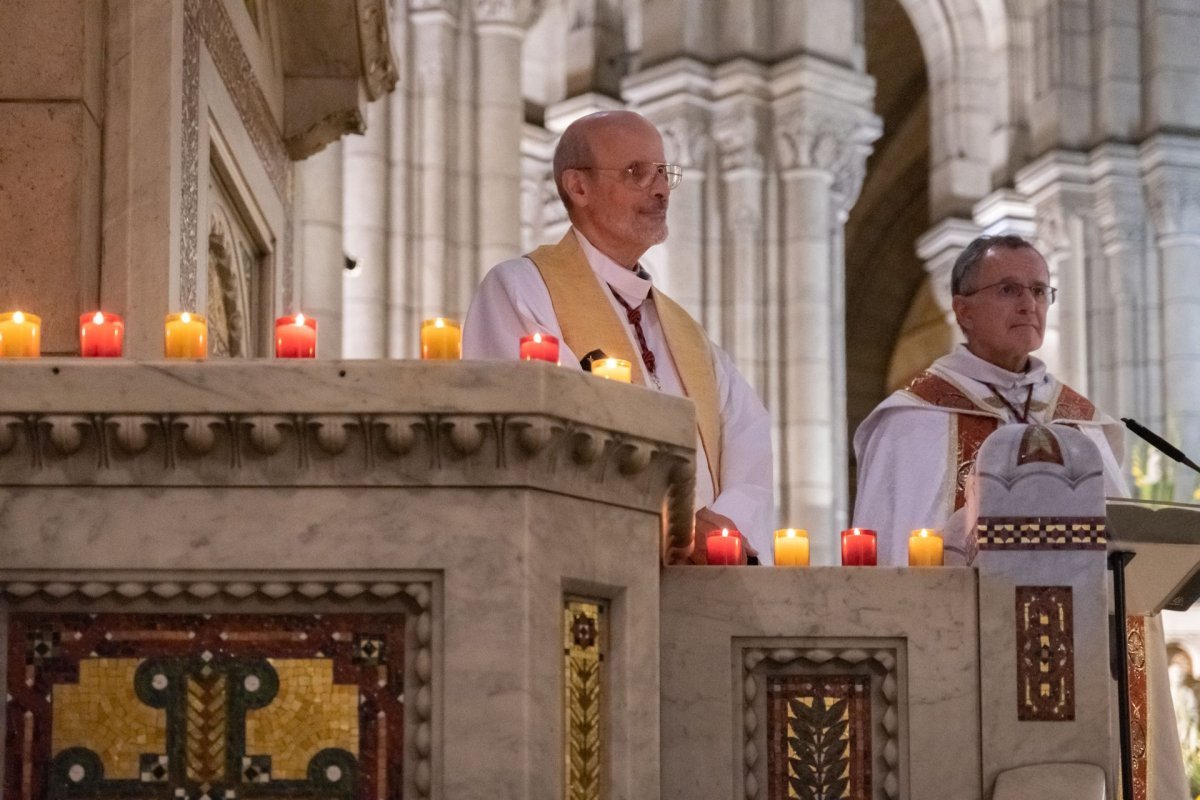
(591, 292)
(916, 449)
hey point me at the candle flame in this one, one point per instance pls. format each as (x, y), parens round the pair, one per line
(791, 533)
(439, 323)
(185, 317)
(611, 363)
(724, 531)
(300, 319)
(18, 318)
(98, 319)
(537, 337)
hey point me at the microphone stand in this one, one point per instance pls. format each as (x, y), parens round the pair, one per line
(1158, 443)
(1117, 560)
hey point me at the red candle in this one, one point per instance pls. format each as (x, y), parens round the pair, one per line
(101, 335)
(724, 547)
(539, 347)
(858, 547)
(296, 337)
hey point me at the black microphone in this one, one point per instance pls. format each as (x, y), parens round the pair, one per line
(1159, 443)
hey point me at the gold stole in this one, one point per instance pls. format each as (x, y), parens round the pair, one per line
(588, 322)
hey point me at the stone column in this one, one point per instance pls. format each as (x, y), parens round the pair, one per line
(365, 221)
(498, 33)
(1058, 189)
(52, 75)
(1171, 165)
(433, 41)
(823, 132)
(1126, 298)
(320, 259)
(739, 135)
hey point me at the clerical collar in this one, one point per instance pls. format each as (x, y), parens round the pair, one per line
(966, 363)
(632, 285)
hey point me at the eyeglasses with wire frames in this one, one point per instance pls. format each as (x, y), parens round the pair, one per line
(644, 173)
(1012, 291)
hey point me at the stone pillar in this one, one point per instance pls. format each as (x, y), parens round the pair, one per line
(433, 43)
(320, 260)
(823, 132)
(1171, 167)
(739, 134)
(365, 222)
(1058, 190)
(938, 248)
(498, 33)
(51, 116)
(1126, 296)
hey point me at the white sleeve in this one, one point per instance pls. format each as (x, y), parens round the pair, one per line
(1115, 483)
(903, 456)
(747, 484)
(512, 301)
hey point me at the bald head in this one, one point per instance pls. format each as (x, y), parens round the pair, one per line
(577, 149)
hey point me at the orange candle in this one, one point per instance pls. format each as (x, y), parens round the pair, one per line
(539, 347)
(615, 369)
(441, 339)
(858, 547)
(791, 547)
(296, 337)
(101, 335)
(186, 336)
(20, 335)
(724, 547)
(925, 548)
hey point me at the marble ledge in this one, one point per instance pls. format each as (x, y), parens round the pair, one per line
(268, 386)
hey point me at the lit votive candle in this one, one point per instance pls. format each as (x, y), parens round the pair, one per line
(295, 337)
(101, 335)
(615, 369)
(20, 335)
(186, 336)
(858, 547)
(441, 339)
(925, 548)
(539, 347)
(724, 547)
(791, 547)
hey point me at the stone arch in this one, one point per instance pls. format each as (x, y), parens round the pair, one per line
(965, 45)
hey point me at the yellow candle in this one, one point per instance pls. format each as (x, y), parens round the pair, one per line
(615, 369)
(925, 548)
(20, 335)
(791, 547)
(441, 338)
(186, 336)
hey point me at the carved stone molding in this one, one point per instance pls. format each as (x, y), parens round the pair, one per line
(501, 12)
(416, 593)
(686, 139)
(375, 48)
(1172, 169)
(880, 663)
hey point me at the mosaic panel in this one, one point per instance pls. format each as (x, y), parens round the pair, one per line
(584, 646)
(212, 707)
(1034, 533)
(1135, 632)
(818, 736)
(1045, 654)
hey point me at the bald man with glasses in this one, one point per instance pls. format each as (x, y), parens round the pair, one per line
(591, 291)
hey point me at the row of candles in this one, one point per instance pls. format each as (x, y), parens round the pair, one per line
(185, 335)
(859, 548)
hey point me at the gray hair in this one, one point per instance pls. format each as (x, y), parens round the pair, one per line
(967, 263)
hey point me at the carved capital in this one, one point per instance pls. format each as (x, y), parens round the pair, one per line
(515, 13)
(375, 48)
(837, 144)
(739, 135)
(1174, 202)
(686, 140)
